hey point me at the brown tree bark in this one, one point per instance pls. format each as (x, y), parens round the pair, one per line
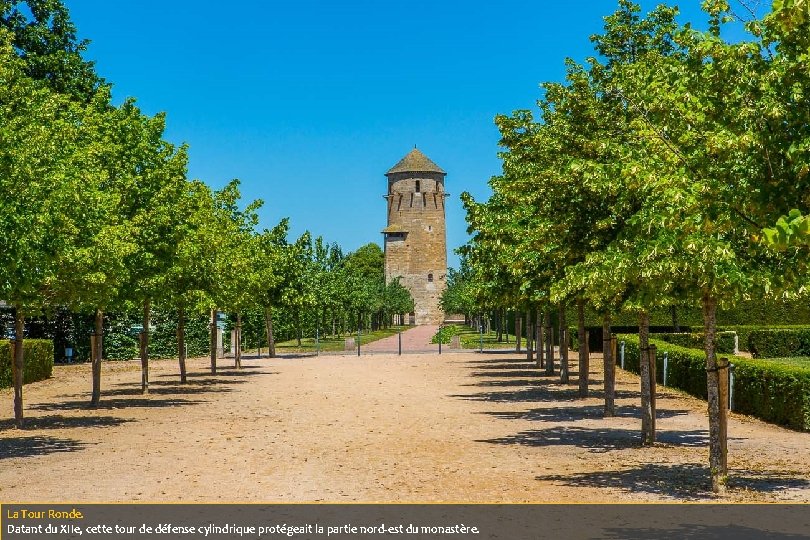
(540, 339)
(96, 358)
(549, 345)
(563, 345)
(584, 356)
(518, 331)
(212, 346)
(144, 345)
(237, 357)
(268, 324)
(609, 368)
(18, 366)
(181, 343)
(529, 337)
(647, 430)
(717, 447)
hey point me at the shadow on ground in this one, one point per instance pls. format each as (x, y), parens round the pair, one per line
(583, 412)
(682, 481)
(58, 421)
(598, 439)
(115, 403)
(17, 447)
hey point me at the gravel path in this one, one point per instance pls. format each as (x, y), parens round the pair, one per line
(463, 427)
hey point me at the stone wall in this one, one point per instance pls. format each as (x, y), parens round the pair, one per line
(419, 257)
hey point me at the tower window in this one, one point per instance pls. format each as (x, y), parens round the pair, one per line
(430, 278)
(418, 186)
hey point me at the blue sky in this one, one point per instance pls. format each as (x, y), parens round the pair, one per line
(309, 102)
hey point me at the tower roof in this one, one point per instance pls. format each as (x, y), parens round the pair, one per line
(415, 161)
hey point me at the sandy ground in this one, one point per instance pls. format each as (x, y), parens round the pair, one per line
(461, 427)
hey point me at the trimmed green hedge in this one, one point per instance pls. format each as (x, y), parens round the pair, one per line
(724, 340)
(779, 342)
(38, 362)
(775, 392)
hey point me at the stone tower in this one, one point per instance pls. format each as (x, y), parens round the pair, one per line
(415, 239)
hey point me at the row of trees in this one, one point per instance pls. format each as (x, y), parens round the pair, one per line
(650, 180)
(98, 213)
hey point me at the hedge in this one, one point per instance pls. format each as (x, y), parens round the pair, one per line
(38, 365)
(775, 392)
(724, 340)
(779, 342)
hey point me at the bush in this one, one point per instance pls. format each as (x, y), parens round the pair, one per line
(779, 342)
(38, 363)
(724, 340)
(445, 333)
(773, 391)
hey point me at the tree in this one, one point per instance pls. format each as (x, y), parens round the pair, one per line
(38, 170)
(44, 37)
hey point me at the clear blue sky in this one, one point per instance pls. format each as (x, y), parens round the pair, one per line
(309, 103)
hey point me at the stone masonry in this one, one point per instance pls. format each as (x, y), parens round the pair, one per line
(415, 238)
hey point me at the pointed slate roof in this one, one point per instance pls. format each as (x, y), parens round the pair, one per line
(415, 161)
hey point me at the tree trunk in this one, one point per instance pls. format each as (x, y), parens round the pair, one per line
(549, 345)
(609, 368)
(563, 345)
(96, 358)
(298, 328)
(147, 311)
(647, 413)
(540, 339)
(529, 337)
(237, 357)
(181, 343)
(518, 328)
(213, 344)
(717, 448)
(268, 324)
(18, 366)
(675, 324)
(584, 359)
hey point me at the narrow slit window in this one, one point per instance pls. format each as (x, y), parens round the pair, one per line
(430, 278)
(418, 186)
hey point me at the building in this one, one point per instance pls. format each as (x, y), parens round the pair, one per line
(415, 239)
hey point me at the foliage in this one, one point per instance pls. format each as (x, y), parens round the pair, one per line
(38, 361)
(779, 342)
(696, 340)
(773, 391)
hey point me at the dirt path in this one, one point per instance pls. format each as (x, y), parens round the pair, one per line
(463, 427)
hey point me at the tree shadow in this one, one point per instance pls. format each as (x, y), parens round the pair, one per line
(583, 412)
(537, 373)
(58, 421)
(226, 372)
(20, 447)
(693, 531)
(538, 392)
(167, 390)
(513, 382)
(680, 480)
(503, 364)
(598, 439)
(109, 404)
(202, 381)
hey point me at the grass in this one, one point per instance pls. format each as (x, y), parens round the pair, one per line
(335, 343)
(471, 339)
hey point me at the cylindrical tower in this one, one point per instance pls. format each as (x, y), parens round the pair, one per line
(415, 238)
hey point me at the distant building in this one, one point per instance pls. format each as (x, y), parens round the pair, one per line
(415, 238)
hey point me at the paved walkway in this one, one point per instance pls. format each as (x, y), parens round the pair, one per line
(417, 339)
